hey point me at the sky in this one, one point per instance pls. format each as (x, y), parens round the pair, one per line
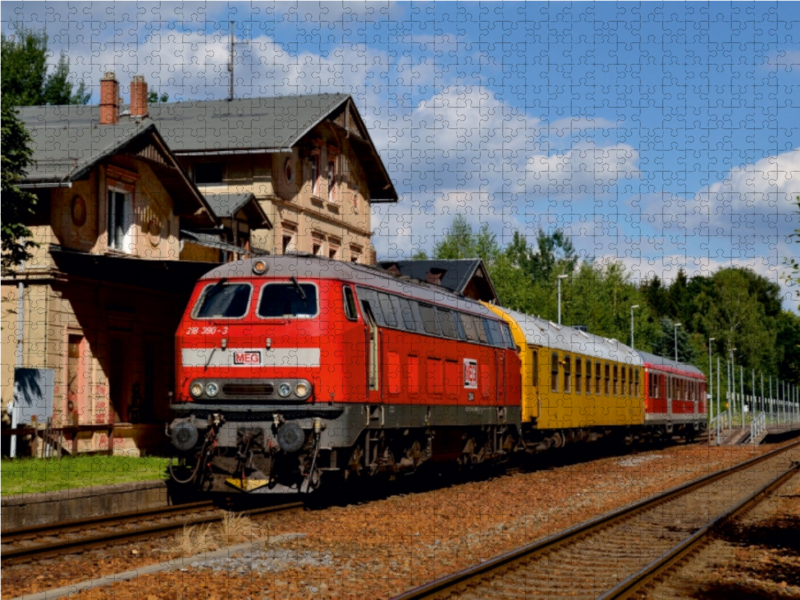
(661, 135)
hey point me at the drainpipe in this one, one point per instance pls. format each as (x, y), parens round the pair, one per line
(20, 339)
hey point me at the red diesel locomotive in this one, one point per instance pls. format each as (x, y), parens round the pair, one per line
(290, 368)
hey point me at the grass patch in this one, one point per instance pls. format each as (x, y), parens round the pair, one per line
(30, 475)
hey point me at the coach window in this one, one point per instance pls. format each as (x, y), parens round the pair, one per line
(554, 372)
(578, 375)
(630, 382)
(608, 379)
(597, 377)
(429, 323)
(350, 304)
(588, 377)
(535, 368)
(447, 323)
(567, 374)
(469, 326)
(624, 382)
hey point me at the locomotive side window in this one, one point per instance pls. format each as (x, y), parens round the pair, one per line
(447, 322)
(588, 377)
(350, 304)
(370, 297)
(288, 300)
(554, 372)
(567, 374)
(494, 333)
(509, 338)
(462, 335)
(578, 375)
(429, 323)
(387, 309)
(223, 301)
(480, 329)
(397, 309)
(407, 314)
(469, 327)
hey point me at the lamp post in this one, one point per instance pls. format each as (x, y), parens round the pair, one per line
(676, 341)
(710, 378)
(560, 277)
(632, 308)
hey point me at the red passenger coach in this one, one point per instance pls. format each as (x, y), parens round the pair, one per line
(292, 367)
(675, 395)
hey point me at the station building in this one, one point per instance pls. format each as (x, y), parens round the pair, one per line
(135, 203)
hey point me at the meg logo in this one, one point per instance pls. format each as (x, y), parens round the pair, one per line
(247, 357)
(470, 374)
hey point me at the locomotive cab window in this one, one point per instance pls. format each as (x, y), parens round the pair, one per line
(288, 300)
(223, 301)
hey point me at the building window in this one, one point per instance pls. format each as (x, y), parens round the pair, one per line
(208, 173)
(331, 181)
(289, 238)
(333, 248)
(355, 254)
(315, 175)
(317, 243)
(120, 215)
(288, 170)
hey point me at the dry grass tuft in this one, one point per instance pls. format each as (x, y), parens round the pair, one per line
(196, 539)
(232, 529)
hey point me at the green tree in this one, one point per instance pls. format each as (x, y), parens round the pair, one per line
(25, 80)
(461, 242)
(153, 97)
(665, 344)
(793, 278)
(17, 204)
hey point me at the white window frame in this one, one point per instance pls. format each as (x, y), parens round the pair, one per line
(124, 245)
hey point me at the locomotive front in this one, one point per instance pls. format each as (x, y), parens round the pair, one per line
(249, 387)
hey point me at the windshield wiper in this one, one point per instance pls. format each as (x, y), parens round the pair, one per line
(298, 289)
(216, 287)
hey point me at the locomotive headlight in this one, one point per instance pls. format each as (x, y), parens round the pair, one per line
(301, 389)
(259, 267)
(196, 390)
(212, 389)
(284, 390)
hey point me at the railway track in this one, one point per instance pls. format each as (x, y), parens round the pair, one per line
(44, 541)
(616, 554)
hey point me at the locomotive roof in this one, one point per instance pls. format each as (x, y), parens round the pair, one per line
(541, 332)
(660, 361)
(317, 267)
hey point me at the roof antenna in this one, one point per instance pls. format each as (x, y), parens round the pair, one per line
(230, 64)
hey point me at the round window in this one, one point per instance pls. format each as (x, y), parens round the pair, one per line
(78, 211)
(288, 171)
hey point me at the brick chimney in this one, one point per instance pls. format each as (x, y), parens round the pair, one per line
(109, 99)
(138, 97)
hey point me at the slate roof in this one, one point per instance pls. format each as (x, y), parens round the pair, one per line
(226, 205)
(212, 241)
(541, 332)
(457, 272)
(654, 359)
(214, 126)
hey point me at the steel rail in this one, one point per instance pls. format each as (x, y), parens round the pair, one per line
(551, 543)
(676, 554)
(56, 548)
(11, 536)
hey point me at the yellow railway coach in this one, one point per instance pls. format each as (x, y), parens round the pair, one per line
(574, 382)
